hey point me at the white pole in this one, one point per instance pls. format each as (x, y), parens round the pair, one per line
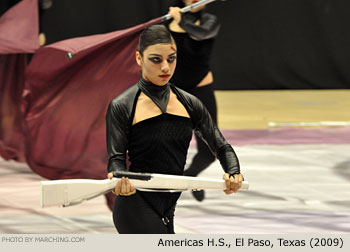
(188, 8)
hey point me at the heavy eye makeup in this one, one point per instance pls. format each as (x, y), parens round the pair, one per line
(158, 59)
(171, 58)
(155, 60)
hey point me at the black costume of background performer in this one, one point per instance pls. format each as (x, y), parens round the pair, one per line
(154, 146)
(192, 66)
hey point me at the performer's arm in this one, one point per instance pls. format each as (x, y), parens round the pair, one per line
(116, 127)
(116, 130)
(208, 131)
(208, 28)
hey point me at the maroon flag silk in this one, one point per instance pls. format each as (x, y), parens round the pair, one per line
(18, 36)
(70, 84)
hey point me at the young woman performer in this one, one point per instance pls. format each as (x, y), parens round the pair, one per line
(194, 33)
(153, 121)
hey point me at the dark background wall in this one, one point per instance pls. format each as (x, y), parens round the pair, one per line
(263, 44)
(6, 4)
(278, 44)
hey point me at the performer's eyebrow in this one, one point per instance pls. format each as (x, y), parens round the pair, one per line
(154, 54)
(172, 54)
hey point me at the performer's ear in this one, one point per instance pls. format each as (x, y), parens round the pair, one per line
(138, 58)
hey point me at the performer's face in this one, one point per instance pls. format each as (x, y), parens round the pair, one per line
(189, 2)
(157, 63)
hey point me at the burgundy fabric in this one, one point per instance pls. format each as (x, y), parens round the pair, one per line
(11, 87)
(19, 28)
(18, 35)
(67, 99)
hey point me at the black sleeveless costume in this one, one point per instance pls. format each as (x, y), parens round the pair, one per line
(194, 48)
(157, 145)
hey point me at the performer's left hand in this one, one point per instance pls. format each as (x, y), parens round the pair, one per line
(233, 183)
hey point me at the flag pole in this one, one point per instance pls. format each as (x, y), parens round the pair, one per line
(188, 8)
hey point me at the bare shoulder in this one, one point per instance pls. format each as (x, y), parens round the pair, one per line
(174, 27)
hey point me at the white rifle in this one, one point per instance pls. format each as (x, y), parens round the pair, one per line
(68, 192)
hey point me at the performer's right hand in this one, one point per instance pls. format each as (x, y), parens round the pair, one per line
(175, 12)
(110, 175)
(124, 187)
